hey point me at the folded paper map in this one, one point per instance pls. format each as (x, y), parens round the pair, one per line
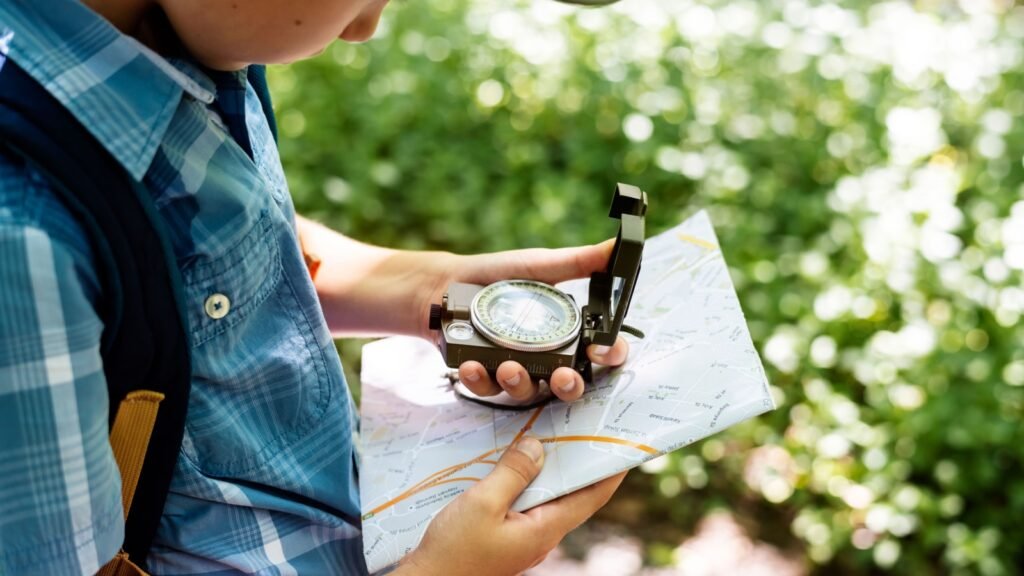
(695, 373)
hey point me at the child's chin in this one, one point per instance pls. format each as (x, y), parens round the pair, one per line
(355, 36)
(297, 58)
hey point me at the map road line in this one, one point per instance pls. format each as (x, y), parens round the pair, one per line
(434, 478)
(453, 469)
(605, 439)
(438, 478)
(529, 424)
(698, 241)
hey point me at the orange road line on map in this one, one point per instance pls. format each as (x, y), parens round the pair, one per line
(697, 241)
(438, 483)
(455, 468)
(529, 424)
(459, 479)
(439, 477)
(433, 479)
(427, 483)
(604, 439)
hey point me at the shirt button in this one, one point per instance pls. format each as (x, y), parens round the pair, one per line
(217, 306)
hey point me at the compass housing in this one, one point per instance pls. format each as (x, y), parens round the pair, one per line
(611, 291)
(466, 336)
(461, 340)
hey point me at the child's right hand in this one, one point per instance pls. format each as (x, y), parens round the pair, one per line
(478, 534)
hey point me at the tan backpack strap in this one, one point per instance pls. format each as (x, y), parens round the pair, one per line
(129, 439)
(121, 566)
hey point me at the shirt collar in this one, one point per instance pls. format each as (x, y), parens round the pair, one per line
(121, 91)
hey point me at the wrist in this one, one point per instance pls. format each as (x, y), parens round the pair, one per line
(390, 295)
(413, 565)
(370, 290)
(437, 270)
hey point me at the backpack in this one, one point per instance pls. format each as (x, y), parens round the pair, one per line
(144, 347)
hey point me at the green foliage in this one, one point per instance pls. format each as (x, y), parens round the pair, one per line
(861, 164)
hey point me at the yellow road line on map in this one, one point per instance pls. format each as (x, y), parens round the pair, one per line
(698, 241)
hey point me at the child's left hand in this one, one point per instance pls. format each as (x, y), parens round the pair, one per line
(549, 266)
(366, 289)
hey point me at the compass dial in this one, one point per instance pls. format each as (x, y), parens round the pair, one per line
(525, 315)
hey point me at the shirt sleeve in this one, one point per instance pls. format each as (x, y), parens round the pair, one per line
(60, 506)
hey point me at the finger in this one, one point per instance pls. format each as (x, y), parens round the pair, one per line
(546, 265)
(558, 265)
(513, 378)
(474, 376)
(567, 384)
(609, 355)
(559, 517)
(518, 466)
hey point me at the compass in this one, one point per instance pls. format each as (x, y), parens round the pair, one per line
(536, 324)
(525, 315)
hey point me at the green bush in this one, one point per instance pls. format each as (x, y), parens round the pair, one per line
(861, 162)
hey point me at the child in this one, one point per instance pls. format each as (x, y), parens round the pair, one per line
(266, 477)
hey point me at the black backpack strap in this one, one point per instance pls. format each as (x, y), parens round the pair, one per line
(257, 75)
(145, 339)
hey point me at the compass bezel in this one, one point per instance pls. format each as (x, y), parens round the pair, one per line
(480, 322)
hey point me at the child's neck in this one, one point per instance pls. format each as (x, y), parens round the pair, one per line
(144, 20)
(125, 15)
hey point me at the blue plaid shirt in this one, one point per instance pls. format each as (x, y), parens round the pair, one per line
(266, 476)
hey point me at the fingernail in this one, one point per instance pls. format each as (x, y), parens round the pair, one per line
(473, 376)
(601, 350)
(513, 381)
(531, 447)
(568, 386)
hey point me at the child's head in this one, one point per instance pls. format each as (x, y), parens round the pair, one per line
(230, 34)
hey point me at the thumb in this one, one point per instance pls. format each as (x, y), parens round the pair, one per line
(545, 265)
(520, 464)
(581, 262)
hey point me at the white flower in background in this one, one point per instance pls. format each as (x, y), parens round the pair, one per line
(638, 128)
(1013, 237)
(781, 350)
(913, 133)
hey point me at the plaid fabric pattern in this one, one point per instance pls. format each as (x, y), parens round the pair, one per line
(231, 95)
(266, 478)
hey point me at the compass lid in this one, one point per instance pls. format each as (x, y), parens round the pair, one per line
(612, 290)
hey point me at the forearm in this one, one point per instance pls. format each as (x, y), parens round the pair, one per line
(369, 290)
